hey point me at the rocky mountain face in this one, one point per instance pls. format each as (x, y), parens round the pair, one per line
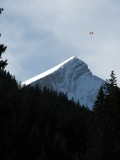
(72, 77)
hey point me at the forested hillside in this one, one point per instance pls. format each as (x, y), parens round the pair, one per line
(39, 124)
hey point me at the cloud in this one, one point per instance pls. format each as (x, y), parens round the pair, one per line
(40, 34)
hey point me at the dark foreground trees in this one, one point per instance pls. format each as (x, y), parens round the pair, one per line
(104, 137)
(39, 124)
(42, 124)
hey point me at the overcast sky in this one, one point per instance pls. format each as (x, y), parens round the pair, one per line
(40, 34)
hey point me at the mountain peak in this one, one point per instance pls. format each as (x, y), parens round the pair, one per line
(72, 77)
(73, 58)
(69, 61)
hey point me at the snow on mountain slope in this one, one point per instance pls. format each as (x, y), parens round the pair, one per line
(72, 77)
(47, 72)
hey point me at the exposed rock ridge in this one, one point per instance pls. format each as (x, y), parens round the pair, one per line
(72, 77)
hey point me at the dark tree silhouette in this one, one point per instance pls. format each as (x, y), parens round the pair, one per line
(104, 142)
(3, 63)
(1, 9)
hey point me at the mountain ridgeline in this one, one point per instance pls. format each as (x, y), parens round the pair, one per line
(72, 77)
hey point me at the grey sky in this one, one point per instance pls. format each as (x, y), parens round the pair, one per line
(41, 34)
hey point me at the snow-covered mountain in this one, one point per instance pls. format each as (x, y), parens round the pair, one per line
(72, 77)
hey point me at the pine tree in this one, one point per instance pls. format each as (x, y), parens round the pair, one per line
(99, 100)
(112, 81)
(105, 137)
(111, 84)
(3, 63)
(1, 9)
(112, 106)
